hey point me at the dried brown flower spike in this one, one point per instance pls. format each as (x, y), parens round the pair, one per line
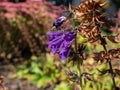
(90, 14)
(91, 33)
(111, 54)
(88, 9)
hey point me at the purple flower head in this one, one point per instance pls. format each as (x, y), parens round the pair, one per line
(60, 42)
(59, 21)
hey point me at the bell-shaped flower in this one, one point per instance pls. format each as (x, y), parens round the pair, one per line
(60, 42)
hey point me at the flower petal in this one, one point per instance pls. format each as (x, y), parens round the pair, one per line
(60, 42)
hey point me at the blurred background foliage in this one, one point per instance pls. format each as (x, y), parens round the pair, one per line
(23, 28)
(23, 43)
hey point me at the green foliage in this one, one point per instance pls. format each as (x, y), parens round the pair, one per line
(43, 72)
(39, 73)
(63, 86)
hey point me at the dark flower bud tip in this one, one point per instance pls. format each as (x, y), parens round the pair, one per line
(59, 21)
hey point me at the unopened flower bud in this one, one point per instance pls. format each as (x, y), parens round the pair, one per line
(59, 21)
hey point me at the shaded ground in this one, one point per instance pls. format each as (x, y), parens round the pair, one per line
(17, 84)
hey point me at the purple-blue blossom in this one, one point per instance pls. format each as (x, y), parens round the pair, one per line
(60, 42)
(59, 21)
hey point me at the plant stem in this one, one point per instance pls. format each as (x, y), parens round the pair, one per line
(79, 70)
(110, 66)
(78, 66)
(112, 74)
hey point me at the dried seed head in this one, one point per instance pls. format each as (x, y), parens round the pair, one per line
(73, 76)
(90, 14)
(91, 33)
(78, 55)
(109, 55)
(88, 8)
(114, 39)
(87, 76)
(81, 52)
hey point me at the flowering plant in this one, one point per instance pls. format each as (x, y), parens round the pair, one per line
(92, 20)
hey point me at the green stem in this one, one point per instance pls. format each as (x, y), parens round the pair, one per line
(78, 67)
(79, 70)
(112, 74)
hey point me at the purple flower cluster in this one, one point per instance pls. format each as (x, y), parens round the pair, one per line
(60, 42)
